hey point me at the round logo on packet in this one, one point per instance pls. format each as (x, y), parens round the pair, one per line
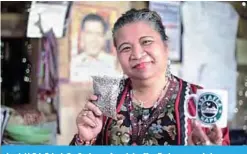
(209, 108)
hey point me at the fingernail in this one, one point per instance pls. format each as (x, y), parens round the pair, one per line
(97, 97)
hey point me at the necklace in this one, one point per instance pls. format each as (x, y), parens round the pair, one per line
(139, 107)
(140, 126)
(141, 103)
(145, 112)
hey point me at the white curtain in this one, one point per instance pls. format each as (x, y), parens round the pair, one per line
(209, 39)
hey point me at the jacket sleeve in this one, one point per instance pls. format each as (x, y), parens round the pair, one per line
(72, 142)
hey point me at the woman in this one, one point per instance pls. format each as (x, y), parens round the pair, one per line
(151, 106)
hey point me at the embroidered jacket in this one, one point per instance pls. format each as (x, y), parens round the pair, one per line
(166, 124)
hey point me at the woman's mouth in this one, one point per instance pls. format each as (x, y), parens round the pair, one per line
(142, 65)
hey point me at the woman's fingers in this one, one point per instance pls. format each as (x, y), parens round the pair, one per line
(198, 135)
(87, 117)
(91, 107)
(93, 98)
(89, 122)
(84, 120)
(91, 115)
(215, 135)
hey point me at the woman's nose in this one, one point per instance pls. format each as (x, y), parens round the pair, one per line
(137, 52)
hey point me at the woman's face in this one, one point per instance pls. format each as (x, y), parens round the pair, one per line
(141, 51)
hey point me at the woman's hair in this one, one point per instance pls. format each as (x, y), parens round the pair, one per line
(133, 15)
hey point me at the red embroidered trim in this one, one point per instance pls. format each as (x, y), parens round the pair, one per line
(177, 112)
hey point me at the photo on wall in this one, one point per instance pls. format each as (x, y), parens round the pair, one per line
(91, 46)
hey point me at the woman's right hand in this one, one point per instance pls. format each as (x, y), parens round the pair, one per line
(89, 121)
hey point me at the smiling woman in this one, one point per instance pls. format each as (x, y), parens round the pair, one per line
(142, 54)
(151, 106)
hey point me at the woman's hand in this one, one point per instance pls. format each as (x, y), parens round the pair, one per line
(89, 121)
(199, 137)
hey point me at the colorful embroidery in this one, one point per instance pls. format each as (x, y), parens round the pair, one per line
(161, 130)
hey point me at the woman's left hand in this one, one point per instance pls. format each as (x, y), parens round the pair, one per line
(200, 137)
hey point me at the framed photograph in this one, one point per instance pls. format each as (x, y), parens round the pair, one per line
(91, 45)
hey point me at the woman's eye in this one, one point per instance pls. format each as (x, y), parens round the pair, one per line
(125, 49)
(147, 42)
